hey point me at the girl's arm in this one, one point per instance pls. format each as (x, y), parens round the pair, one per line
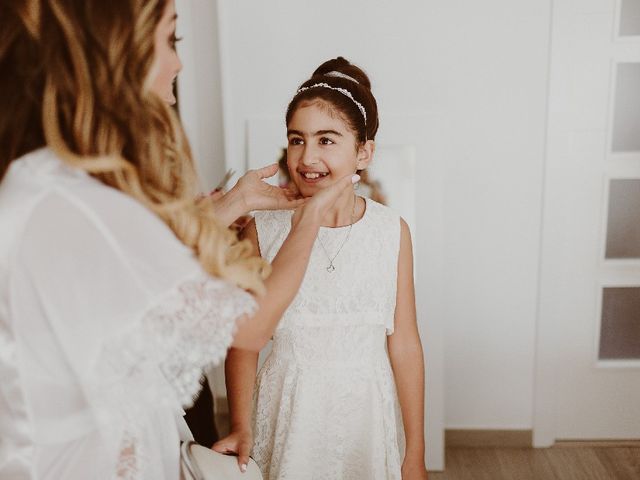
(405, 353)
(240, 376)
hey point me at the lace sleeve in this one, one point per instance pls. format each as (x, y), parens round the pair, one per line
(159, 362)
(197, 324)
(185, 331)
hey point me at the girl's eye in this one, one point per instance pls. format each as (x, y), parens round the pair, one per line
(326, 141)
(173, 40)
(295, 141)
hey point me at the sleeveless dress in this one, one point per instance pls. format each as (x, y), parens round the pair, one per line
(325, 403)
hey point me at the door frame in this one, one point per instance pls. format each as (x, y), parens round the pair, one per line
(559, 159)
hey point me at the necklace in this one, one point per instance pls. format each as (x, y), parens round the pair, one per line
(331, 267)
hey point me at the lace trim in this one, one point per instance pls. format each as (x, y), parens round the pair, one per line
(159, 362)
(201, 330)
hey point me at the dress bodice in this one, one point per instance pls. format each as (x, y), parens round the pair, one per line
(362, 288)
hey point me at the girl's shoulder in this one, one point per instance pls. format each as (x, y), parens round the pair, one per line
(379, 213)
(382, 226)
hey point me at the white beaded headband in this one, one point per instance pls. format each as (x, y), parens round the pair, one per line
(343, 91)
(334, 73)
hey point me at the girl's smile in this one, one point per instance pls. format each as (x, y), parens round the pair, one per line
(312, 177)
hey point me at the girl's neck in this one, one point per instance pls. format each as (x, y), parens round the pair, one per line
(344, 212)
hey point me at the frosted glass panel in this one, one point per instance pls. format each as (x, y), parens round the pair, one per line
(623, 225)
(620, 327)
(630, 17)
(626, 114)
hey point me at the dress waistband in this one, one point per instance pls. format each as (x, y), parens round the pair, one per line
(337, 346)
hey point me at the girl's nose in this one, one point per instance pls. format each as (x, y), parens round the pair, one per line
(309, 156)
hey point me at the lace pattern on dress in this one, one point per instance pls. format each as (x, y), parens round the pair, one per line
(370, 256)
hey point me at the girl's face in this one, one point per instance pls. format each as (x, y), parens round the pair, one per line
(322, 148)
(166, 63)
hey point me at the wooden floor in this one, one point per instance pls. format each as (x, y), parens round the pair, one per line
(619, 460)
(556, 463)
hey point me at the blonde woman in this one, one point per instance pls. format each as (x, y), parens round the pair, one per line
(116, 287)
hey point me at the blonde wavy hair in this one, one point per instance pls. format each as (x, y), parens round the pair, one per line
(79, 85)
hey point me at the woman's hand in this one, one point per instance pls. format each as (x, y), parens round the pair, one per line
(238, 443)
(250, 193)
(414, 470)
(259, 195)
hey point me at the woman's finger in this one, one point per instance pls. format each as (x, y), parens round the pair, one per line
(268, 171)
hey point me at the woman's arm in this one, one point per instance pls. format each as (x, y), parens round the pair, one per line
(288, 267)
(405, 353)
(240, 376)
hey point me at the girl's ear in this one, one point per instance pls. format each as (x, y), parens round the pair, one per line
(365, 154)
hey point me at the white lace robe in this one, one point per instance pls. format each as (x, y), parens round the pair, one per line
(106, 321)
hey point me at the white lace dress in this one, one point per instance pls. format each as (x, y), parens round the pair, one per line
(325, 400)
(106, 321)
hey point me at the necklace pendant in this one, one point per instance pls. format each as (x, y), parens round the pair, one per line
(331, 268)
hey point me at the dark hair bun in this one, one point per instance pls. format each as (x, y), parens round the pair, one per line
(358, 105)
(344, 66)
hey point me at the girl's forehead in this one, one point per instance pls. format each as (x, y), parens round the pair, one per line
(319, 110)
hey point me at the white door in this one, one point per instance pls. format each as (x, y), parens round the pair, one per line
(588, 343)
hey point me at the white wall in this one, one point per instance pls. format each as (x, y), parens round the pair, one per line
(483, 66)
(494, 72)
(199, 87)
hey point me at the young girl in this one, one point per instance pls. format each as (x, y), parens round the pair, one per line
(347, 350)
